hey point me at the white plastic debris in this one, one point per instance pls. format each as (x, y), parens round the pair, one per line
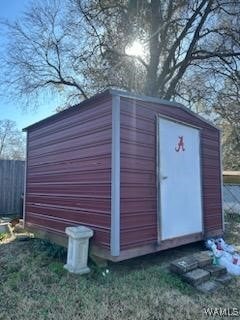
(104, 273)
(222, 245)
(225, 256)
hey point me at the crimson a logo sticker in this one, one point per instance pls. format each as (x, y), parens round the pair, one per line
(180, 145)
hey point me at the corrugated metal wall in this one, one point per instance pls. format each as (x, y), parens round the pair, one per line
(138, 171)
(69, 171)
(11, 186)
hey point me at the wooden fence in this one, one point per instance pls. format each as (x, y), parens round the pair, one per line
(231, 177)
(11, 186)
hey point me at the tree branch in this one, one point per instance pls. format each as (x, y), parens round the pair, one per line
(186, 62)
(172, 50)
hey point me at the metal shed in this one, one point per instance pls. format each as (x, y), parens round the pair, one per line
(143, 173)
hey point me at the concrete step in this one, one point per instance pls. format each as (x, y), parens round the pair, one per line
(224, 279)
(199, 271)
(208, 286)
(196, 276)
(183, 265)
(216, 271)
(203, 258)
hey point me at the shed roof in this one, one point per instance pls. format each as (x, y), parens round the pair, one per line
(125, 94)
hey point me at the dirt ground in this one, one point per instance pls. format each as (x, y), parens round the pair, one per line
(34, 285)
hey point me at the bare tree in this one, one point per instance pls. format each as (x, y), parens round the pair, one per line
(12, 142)
(182, 40)
(187, 50)
(227, 106)
(40, 54)
(78, 47)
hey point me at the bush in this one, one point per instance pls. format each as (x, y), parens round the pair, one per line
(50, 249)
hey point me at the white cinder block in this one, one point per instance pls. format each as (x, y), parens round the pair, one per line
(78, 243)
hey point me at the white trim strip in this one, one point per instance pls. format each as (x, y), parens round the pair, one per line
(115, 187)
(158, 181)
(221, 177)
(25, 183)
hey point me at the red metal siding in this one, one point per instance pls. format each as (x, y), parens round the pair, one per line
(69, 171)
(138, 171)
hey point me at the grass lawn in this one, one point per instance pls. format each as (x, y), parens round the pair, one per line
(34, 285)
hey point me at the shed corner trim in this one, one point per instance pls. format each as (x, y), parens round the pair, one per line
(115, 178)
(221, 177)
(25, 184)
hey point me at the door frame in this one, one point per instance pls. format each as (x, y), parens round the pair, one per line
(158, 166)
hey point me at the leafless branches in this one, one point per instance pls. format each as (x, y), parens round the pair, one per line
(11, 141)
(78, 47)
(38, 55)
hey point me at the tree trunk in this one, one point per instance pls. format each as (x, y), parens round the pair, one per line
(154, 49)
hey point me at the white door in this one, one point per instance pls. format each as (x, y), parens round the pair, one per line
(180, 182)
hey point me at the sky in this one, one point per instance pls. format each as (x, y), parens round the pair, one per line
(12, 9)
